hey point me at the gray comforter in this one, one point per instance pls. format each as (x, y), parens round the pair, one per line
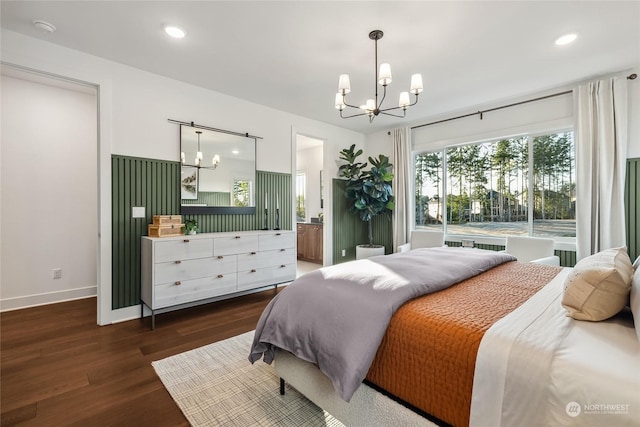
(336, 317)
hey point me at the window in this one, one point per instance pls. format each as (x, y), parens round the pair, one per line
(301, 184)
(489, 189)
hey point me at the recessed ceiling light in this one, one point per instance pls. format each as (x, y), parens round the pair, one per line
(235, 152)
(175, 31)
(44, 26)
(566, 39)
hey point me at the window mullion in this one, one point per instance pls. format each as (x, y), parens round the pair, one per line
(445, 205)
(531, 186)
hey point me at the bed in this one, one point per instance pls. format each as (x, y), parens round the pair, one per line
(492, 349)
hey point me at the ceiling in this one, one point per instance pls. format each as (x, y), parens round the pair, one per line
(288, 55)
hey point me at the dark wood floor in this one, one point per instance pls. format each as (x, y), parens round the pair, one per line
(59, 368)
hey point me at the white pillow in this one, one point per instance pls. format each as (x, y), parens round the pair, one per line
(598, 286)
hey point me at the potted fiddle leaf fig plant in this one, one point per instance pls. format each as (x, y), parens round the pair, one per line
(369, 191)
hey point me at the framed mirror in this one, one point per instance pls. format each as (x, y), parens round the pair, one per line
(218, 172)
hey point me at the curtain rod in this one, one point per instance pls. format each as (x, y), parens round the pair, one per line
(629, 77)
(193, 125)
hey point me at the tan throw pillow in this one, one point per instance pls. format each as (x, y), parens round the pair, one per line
(599, 285)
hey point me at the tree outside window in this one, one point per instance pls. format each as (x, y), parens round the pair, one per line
(489, 189)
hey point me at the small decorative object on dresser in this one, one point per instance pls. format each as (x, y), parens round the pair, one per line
(166, 226)
(180, 272)
(190, 227)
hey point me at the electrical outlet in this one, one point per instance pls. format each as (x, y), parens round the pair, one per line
(344, 252)
(57, 273)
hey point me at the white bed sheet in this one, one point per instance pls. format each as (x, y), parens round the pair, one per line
(538, 367)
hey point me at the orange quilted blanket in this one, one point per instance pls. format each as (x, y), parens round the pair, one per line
(428, 355)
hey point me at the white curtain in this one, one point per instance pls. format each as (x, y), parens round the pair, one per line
(401, 186)
(601, 152)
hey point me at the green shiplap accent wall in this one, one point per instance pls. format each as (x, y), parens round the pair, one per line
(136, 182)
(382, 233)
(632, 207)
(154, 184)
(349, 230)
(210, 199)
(567, 258)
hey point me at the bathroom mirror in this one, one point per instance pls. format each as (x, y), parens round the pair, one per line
(218, 172)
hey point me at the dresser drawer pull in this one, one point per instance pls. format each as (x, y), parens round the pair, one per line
(186, 240)
(278, 234)
(220, 257)
(237, 237)
(220, 276)
(178, 283)
(282, 266)
(252, 253)
(178, 262)
(253, 270)
(282, 250)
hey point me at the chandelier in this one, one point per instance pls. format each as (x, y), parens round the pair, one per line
(215, 160)
(383, 77)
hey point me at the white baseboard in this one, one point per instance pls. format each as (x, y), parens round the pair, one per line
(16, 303)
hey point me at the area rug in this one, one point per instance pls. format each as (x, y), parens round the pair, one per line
(215, 385)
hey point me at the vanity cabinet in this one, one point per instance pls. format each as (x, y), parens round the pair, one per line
(309, 237)
(179, 272)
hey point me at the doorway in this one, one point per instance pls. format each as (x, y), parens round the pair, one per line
(309, 203)
(49, 188)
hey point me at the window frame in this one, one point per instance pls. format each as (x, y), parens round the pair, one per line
(561, 243)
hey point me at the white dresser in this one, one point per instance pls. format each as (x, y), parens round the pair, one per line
(183, 271)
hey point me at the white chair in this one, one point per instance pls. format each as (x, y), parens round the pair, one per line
(532, 249)
(423, 239)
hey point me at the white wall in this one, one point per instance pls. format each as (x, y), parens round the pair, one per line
(310, 161)
(134, 106)
(548, 114)
(633, 151)
(49, 215)
(379, 143)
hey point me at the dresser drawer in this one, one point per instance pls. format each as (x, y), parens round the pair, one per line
(277, 240)
(191, 269)
(186, 291)
(174, 250)
(235, 244)
(266, 276)
(264, 259)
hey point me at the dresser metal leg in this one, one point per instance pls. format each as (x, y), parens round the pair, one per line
(281, 387)
(153, 320)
